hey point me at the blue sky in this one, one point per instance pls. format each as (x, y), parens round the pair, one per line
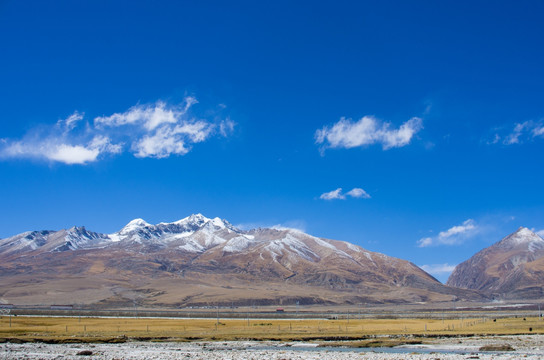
(428, 115)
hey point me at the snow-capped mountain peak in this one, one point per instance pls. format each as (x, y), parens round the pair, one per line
(180, 233)
(134, 225)
(194, 219)
(200, 221)
(78, 237)
(523, 236)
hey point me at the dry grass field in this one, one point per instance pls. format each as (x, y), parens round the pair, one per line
(74, 329)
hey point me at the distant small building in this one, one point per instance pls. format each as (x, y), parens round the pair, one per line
(280, 310)
(7, 306)
(62, 307)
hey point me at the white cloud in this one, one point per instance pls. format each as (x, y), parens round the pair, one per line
(78, 154)
(197, 131)
(166, 140)
(540, 233)
(453, 236)
(358, 193)
(337, 194)
(298, 225)
(158, 130)
(467, 225)
(226, 127)
(148, 116)
(424, 242)
(104, 145)
(56, 150)
(56, 143)
(71, 122)
(495, 140)
(538, 131)
(513, 137)
(520, 133)
(367, 131)
(439, 270)
(333, 195)
(69, 154)
(164, 130)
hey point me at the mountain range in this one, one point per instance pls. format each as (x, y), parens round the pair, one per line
(200, 261)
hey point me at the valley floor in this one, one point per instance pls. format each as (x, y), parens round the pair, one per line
(526, 346)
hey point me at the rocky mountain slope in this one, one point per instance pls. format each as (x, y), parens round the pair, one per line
(513, 268)
(200, 261)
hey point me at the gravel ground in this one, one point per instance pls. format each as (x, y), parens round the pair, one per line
(526, 347)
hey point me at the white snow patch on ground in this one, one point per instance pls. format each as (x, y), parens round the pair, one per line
(183, 235)
(299, 247)
(535, 246)
(237, 244)
(24, 242)
(353, 247)
(218, 222)
(114, 237)
(275, 248)
(325, 244)
(191, 247)
(331, 246)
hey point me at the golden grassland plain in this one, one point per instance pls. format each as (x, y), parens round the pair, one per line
(89, 329)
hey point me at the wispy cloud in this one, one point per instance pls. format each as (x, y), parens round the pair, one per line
(154, 130)
(540, 233)
(149, 116)
(453, 236)
(298, 225)
(438, 270)
(171, 139)
(226, 127)
(59, 143)
(368, 130)
(333, 195)
(338, 195)
(520, 133)
(71, 121)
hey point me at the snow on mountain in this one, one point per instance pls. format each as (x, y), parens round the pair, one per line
(194, 219)
(72, 239)
(174, 259)
(511, 268)
(134, 225)
(290, 244)
(27, 241)
(353, 247)
(79, 238)
(239, 243)
(523, 237)
(195, 233)
(199, 220)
